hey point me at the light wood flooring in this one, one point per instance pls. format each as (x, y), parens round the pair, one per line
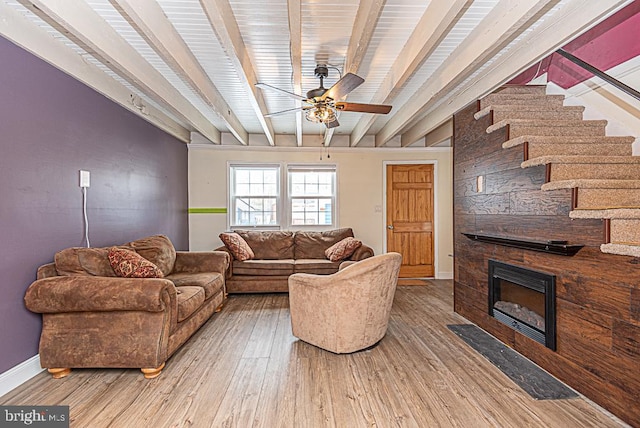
(245, 369)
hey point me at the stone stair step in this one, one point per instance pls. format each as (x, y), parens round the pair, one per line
(520, 99)
(608, 198)
(549, 139)
(599, 194)
(613, 213)
(625, 231)
(592, 184)
(523, 89)
(542, 149)
(518, 127)
(569, 115)
(621, 249)
(517, 108)
(588, 167)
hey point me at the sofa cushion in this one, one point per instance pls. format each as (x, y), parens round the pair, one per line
(211, 282)
(263, 267)
(158, 249)
(129, 264)
(316, 266)
(190, 298)
(84, 261)
(312, 245)
(237, 246)
(342, 250)
(269, 245)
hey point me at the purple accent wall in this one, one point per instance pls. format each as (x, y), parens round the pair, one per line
(51, 126)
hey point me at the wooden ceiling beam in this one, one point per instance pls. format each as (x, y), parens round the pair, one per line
(225, 27)
(82, 23)
(15, 27)
(574, 18)
(501, 25)
(434, 25)
(148, 18)
(364, 26)
(295, 37)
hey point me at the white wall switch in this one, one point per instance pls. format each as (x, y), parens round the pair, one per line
(85, 178)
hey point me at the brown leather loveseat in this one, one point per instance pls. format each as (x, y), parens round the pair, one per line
(91, 317)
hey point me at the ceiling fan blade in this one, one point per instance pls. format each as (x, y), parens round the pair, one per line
(333, 124)
(343, 86)
(282, 91)
(363, 108)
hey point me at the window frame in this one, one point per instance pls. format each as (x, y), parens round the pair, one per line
(232, 196)
(311, 167)
(284, 198)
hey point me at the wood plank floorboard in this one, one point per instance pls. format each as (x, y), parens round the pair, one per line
(244, 368)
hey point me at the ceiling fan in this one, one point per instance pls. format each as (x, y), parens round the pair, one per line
(321, 104)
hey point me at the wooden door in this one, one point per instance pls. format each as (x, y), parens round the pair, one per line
(410, 218)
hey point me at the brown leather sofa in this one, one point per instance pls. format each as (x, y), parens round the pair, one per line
(93, 318)
(279, 254)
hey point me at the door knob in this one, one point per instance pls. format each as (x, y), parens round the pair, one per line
(390, 227)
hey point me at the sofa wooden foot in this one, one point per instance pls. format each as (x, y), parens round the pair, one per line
(59, 373)
(152, 373)
(219, 308)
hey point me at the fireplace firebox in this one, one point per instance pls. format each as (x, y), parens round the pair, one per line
(524, 300)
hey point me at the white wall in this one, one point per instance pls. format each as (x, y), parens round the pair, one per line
(603, 101)
(361, 189)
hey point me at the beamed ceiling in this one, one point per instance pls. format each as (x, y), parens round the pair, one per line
(190, 66)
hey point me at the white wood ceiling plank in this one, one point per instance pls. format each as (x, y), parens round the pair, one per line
(225, 27)
(149, 18)
(427, 35)
(195, 29)
(369, 12)
(15, 27)
(505, 22)
(569, 22)
(84, 24)
(295, 37)
(367, 16)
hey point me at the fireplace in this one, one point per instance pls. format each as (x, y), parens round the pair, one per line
(524, 300)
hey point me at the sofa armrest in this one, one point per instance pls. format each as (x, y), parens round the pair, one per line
(363, 252)
(231, 259)
(201, 261)
(100, 294)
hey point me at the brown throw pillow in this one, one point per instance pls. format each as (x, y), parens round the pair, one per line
(237, 246)
(342, 249)
(129, 264)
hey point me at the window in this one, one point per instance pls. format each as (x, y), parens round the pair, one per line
(307, 199)
(255, 194)
(311, 195)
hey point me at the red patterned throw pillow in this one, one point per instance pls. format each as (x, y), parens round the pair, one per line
(342, 249)
(129, 264)
(237, 246)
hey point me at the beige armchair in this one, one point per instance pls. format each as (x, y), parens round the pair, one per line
(346, 311)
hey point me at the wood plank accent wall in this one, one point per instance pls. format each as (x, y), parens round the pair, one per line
(597, 295)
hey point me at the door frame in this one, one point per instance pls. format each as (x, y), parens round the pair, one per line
(436, 243)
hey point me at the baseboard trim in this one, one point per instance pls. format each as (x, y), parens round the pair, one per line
(19, 374)
(444, 275)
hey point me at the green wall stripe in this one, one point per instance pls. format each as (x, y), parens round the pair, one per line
(207, 210)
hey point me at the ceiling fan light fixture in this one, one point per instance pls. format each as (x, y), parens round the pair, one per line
(321, 114)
